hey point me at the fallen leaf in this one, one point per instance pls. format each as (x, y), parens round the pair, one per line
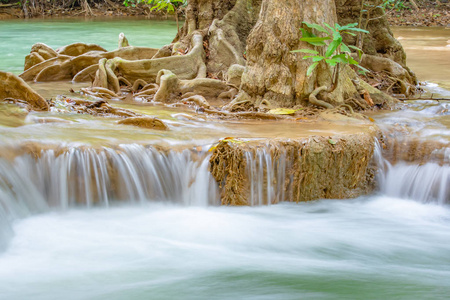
(368, 98)
(283, 111)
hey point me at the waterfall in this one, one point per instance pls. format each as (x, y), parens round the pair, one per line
(86, 177)
(427, 183)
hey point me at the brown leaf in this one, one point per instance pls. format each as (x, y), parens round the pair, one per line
(368, 99)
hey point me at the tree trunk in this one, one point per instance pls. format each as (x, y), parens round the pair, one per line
(225, 26)
(275, 76)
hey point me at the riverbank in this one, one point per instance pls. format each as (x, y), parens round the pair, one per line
(424, 13)
(14, 10)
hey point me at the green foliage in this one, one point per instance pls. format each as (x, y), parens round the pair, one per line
(158, 5)
(337, 52)
(394, 5)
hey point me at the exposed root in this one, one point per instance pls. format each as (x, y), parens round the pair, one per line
(198, 100)
(99, 92)
(123, 41)
(138, 84)
(98, 108)
(168, 86)
(13, 87)
(124, 81)
(78, 49)
(187, 66)
(313, 98)
(46, 64)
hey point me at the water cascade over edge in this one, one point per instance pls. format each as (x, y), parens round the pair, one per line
(85, 177)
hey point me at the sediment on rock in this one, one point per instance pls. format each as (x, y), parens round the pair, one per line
(252, 173)
(415, 150)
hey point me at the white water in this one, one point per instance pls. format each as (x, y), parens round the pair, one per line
(369, 248)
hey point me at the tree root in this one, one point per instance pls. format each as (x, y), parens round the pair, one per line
(99, 92)
(198, 100)
(71, 62)
(187, 66)
(313, 98)
(12, 86)
(138, 84)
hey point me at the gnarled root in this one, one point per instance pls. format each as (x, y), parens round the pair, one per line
(187, 66)
(99, 92)
(198, 100)
(396, 73)
(75, 61)
(313, 98)
(12, 86)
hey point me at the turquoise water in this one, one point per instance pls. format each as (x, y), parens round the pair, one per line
(17, 37)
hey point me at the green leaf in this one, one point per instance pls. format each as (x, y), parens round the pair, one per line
(317, 27)
(352, 61)
(344, 48)
(308, 56)
(355, 48)
(348, 26)
(328, 26)
(350, 33)
(333, 46)
(341, 58)
(318, 58)
(310, 51)
(332, 142)
(363, 69)
(332, 62)
(360, 52)
(358, 29)
(315, 39)
(306, 33)
(311, 68)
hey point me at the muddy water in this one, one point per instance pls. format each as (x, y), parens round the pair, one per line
(428, 55)
(384, 246)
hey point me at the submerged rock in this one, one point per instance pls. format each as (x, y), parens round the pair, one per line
(145, 122)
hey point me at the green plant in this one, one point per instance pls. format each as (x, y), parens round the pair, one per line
(337, 52)
(169, 6)
(393, 5)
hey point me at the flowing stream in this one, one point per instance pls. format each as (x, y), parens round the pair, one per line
(108, 212)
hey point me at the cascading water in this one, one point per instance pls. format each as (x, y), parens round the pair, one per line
(84, 177)
(427, 183)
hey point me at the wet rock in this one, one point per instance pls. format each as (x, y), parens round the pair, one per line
(272, 171)
(145, 122)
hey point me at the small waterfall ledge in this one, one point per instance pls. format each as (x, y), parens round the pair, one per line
(35, 178)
